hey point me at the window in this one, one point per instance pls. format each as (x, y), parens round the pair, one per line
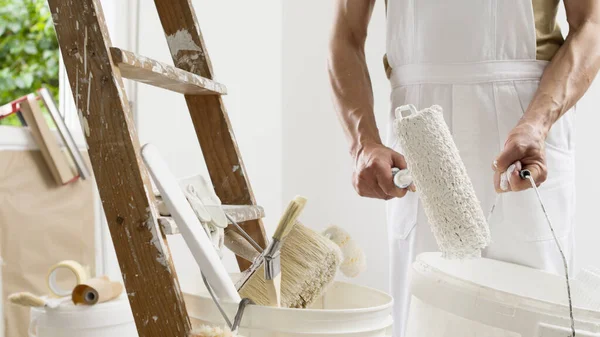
(28, 52)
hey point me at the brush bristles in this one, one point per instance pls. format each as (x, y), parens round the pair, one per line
(26, 299)
(309, 263)
(289, 217)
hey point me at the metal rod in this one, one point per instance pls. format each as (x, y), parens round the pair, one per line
(525, 174)
(214, 298)
(244, 234)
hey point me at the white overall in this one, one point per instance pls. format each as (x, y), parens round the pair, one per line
(477, 60)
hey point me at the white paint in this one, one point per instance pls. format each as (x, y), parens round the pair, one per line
(85, 51)
(84, 123)
(89, 92)
(181, 40)
(163, 255)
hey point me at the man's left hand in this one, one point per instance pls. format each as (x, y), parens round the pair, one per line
(524, 149)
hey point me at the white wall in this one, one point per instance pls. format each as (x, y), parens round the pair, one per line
(316, 162)
(243, 39)
(587, 164)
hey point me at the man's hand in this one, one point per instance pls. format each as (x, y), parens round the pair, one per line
(564, 81)
(524, 149)
(373, 172)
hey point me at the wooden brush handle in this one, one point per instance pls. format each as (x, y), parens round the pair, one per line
(286, 223)
(240, 246)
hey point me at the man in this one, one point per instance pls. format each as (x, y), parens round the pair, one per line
(507, 81)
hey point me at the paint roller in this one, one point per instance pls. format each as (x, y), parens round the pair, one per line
(447, 195)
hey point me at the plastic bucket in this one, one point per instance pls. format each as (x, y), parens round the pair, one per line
(489, 298)
(108, 319)
(344, 310)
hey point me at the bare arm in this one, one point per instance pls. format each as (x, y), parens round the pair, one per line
(563, 83)
(573, 68)
(353, 99)
(348, 73)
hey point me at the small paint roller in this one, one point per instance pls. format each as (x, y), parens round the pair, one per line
(447, 195)
(354, 261)
(96, 290)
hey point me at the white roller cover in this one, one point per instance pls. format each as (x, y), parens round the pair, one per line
(446, 192)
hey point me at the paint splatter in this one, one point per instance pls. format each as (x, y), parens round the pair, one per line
(181, 40)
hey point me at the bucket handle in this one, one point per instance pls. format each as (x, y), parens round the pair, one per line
(238, 315)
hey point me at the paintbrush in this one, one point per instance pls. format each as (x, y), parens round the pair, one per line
(272, 259)
(309, 263)
(30, 300)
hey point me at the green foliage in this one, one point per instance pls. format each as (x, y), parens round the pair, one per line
(28, 51)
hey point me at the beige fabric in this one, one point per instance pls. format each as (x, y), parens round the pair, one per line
(41, 223)
(548, 35)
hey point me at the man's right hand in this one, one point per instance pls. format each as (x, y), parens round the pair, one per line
(372, 176)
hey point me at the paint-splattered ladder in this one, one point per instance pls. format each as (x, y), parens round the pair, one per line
(95, 70)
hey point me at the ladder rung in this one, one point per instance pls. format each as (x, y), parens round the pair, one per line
(244, 213)
(146, 70)
(237, 213)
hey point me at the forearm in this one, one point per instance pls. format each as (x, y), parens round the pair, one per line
(353, 95)
(349, 75)
(567, 77)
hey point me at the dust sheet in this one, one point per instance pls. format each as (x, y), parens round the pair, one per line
(41, 223)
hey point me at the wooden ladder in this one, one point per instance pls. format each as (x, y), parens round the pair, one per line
(95, 70)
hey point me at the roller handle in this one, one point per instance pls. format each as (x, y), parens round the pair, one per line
(402, 178)
(405, 111)
(524, 174)
(240, 246)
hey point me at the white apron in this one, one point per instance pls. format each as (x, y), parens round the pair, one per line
(477, 60)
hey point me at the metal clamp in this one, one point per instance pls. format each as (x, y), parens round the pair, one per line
(272, 258)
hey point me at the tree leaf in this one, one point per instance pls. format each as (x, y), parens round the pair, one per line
(30, 48)
(19, 82)
(27, 80)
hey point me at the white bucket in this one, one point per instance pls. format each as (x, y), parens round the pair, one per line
(110, 319)
(488, 298)
(345, 310)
